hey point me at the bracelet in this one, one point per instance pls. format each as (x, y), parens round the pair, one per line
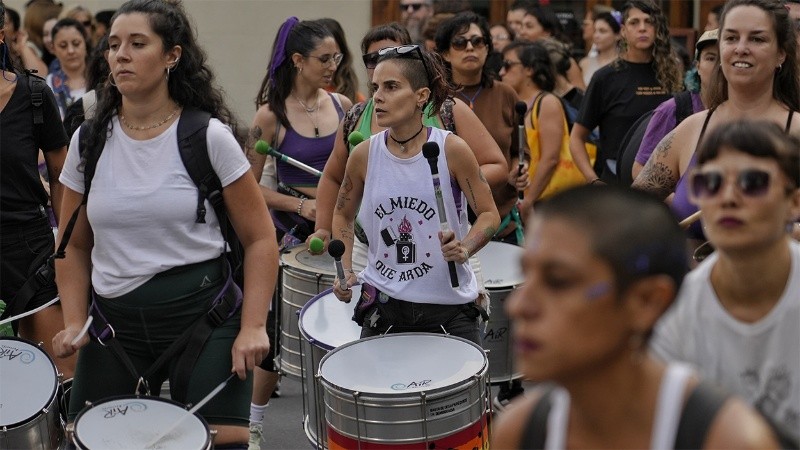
(300, 206)
(466, 254)
(595, 181)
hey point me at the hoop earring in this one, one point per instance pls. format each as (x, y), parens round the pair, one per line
(111, 79)
(167, 70)
(780, 66)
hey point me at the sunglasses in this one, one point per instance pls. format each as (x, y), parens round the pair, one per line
(750, 182)
(507, 65)
(407, 51)
(326, 59)
(87, 24)
(460, 42)
(370, 59)
(412, 6)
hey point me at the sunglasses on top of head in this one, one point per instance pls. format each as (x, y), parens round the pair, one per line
(412, 6)
(460, 42)
(405, 51)
(750, 182)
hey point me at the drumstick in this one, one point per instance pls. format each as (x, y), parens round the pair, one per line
(191, 412)
(430, 150)
(83, 331)
(690, 220)
(263, 148)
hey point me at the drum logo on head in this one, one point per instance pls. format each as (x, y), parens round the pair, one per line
(121, 409)
(11, 353)
(412, 385)
(495, 334)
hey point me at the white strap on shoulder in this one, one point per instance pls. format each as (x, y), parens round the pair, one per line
(669, 406)
(557, 420)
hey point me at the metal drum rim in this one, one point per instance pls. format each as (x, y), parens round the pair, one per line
(311, 339)
(483, 370)
(51, 397)
(77, 441)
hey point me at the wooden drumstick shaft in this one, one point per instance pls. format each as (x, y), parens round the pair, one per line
(194, 409)
(690, 220)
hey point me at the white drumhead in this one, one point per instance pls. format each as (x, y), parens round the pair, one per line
(299, 257)
(402, 363)
(328, 321)
(133, 422)
(500, 265)
(29, 381)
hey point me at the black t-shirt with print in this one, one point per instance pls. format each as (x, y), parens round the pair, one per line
(618, 94)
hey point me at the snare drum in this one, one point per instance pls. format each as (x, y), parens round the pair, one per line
(501, 275)
(29, 410)
(406, 390)
(128, 422)
(325, 324)
(304, 277)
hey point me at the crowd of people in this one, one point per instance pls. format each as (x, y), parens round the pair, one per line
(169, 270)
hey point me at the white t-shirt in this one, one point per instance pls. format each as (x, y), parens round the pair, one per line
(142, 205)
(759, 361)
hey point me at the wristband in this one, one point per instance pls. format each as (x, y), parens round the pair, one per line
(300, 206)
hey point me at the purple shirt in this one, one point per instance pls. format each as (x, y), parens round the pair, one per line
(662, 122)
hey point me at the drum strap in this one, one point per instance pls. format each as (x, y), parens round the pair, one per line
(186, 348)
(45, 274)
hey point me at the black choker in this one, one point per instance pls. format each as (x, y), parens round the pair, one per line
(403, 143)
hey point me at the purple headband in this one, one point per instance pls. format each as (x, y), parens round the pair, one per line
(278, 56)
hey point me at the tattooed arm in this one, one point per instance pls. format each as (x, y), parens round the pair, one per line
(263, 128)
(349, 200)
(464, 168)
(328, 187)
(661, 173)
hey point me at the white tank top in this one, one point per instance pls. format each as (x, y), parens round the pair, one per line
(400, 218)
(667, 415)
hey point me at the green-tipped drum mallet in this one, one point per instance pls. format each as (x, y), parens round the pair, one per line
(355, 138)
(315, 245)
(265, 149)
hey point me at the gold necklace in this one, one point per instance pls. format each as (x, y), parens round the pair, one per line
(149, 127)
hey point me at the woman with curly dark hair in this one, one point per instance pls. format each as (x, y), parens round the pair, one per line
(153, 268)
(644, 76)
(464, 42)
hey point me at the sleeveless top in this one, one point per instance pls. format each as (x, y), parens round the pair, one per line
(400, 218)
(669, 407)
(312, 151)
(681, 205)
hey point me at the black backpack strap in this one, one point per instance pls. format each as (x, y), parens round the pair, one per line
(192, 127)
(535, 434)
(37, 86)
(683, 106)
(698, 414)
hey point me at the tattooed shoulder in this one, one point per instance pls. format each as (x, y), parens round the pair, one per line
(656, 178)
(663, 147)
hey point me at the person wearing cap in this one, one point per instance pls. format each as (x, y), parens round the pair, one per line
(664, 121)
(757, 77)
